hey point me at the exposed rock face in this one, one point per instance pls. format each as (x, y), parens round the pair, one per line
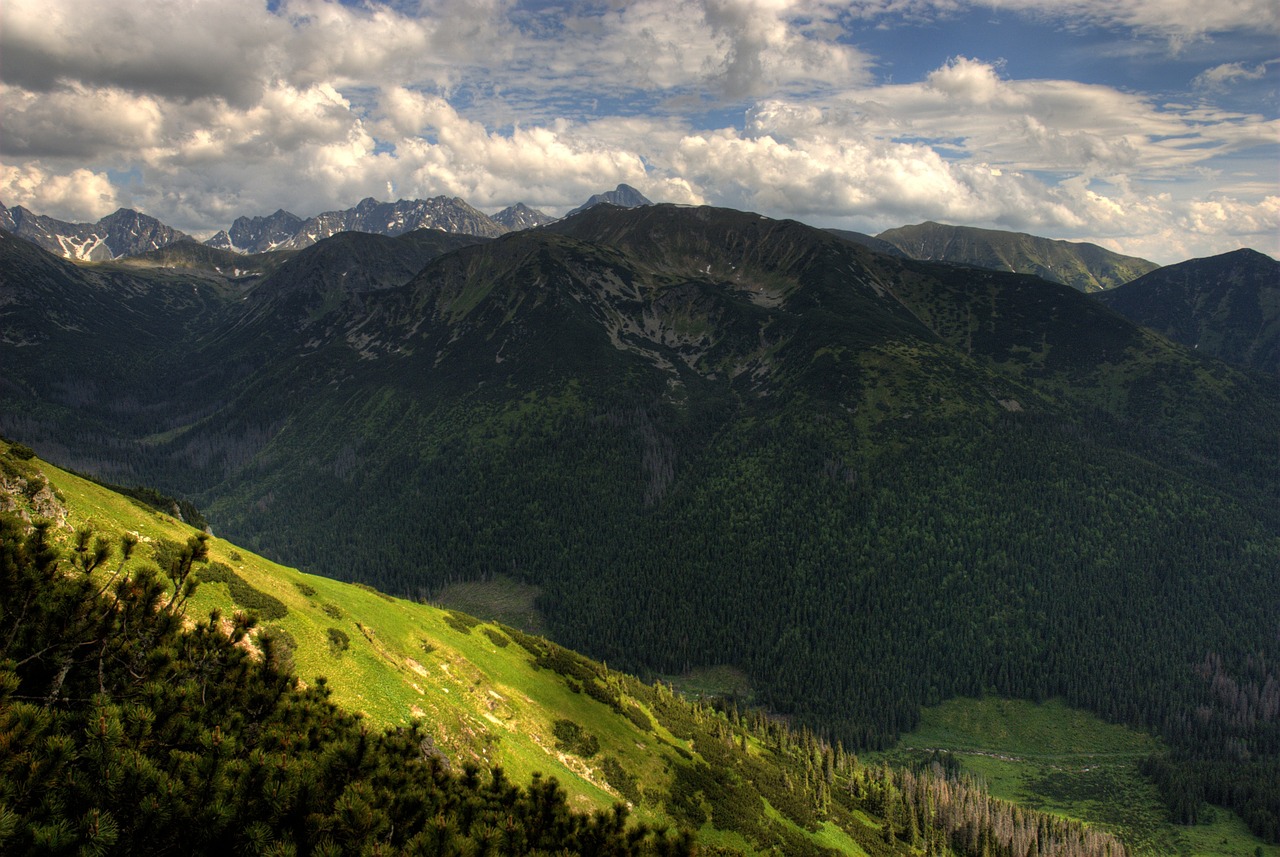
(124, 233)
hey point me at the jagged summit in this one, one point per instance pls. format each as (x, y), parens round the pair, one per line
(623, 196)
(285, 231)
(520, 216)
(124, 232)
(258, 234)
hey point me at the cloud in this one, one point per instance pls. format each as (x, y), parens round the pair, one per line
(762, 49)
(869, 178)
(439, 151)
(175, 50)
(1223, 76)
(1177, 20)
(73, 122)
(77, 196)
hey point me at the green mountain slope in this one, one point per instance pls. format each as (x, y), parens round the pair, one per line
(1227, 306)
(709, 438)
(485, 695)
(1083, 266)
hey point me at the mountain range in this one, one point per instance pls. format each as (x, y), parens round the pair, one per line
(285, 231)
(705, 437)
(124, 233)
(1084, 266)
(129, 233)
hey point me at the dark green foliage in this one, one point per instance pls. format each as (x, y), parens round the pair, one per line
(305, 588)
(572, 738)
(684, 800)
(372, 590)
(637, 715)
(267, 607)
(339, 642)
(121, 733)
(621, 781)
(277, 646)
(497, 638)
(21, 452)
(535, 646)
(460, 622)
(333, 611)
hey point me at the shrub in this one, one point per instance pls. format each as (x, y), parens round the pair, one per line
(572, 738)
(339, 642)
(497, 638)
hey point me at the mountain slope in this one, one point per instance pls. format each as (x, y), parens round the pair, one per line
(868, 241)
(1086, 267)
(123, 233)
(1227, 306)
(486, 695)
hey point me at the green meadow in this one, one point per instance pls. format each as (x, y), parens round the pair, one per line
(1067, 762)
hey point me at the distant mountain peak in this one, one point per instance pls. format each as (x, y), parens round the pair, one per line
(623, 196)
(1227, 306)
(124, 232)
(285, 231)
(520, 216)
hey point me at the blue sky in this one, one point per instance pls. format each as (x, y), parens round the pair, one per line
(1148, 126)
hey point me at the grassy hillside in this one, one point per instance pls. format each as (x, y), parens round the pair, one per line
(392, 660)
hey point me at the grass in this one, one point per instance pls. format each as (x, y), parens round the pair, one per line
(1057, 759)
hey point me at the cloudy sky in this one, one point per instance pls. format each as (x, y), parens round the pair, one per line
(1148, 126)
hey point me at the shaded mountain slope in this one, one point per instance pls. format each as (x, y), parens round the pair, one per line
(1083, 266)
(869, 241)
(1227, 306)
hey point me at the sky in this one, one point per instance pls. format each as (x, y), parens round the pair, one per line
(1151, 127)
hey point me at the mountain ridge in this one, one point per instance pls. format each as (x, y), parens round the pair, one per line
(125, 232)
(1083, 266)
(1226, 305)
